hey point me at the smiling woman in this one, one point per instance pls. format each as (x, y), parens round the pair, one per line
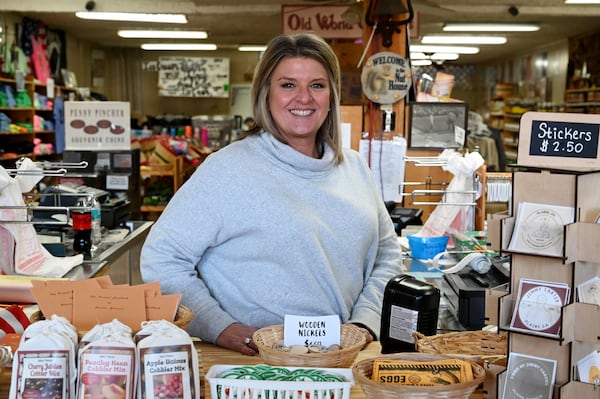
(283, 221)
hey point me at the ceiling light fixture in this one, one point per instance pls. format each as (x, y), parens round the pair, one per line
(444, 56)
(162, 34)
(135, 17)
(179, 46)
(259, 49)
(434, 56)
(421, 63)
(418, 56)
(582, 1)
(491, 27)
(444, 49)
(463, 39)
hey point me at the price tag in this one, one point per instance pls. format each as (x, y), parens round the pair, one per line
(564, 139)
(309, 330)
(559, 140)
(117, 182)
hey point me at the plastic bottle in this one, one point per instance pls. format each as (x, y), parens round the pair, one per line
(82, 228)
(96, 235)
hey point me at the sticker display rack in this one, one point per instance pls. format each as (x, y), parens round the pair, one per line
(562, 177)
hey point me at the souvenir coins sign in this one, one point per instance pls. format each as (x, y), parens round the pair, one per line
(386, 78)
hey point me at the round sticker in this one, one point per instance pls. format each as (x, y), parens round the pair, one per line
(386, 78)
(541, 227)
(539, 308)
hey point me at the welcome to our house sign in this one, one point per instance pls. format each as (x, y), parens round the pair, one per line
(193, 77)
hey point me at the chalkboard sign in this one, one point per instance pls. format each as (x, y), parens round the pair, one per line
(559, 140)
(564, 139)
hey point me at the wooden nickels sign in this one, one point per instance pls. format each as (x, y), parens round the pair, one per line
(559, 141)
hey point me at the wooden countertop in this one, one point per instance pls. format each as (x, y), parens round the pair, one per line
(211, 355)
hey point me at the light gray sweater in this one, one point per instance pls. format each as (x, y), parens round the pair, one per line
(273, 232)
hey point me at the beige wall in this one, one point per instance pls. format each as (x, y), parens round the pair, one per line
(527, 69)
(126, 81)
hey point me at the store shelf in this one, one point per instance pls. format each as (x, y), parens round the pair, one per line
(583, 100)
(26, 116)
(152, 208)
(168, 178)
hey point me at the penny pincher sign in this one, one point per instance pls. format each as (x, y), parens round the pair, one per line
(97, 125)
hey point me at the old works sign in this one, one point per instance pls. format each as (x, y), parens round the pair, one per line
(559, 140)
(326, 21)
(97, 125)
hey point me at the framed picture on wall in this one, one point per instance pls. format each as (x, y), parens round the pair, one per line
(69, 78)
(437, 125)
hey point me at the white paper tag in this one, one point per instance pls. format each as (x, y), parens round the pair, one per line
(311, 330)
(117, 182)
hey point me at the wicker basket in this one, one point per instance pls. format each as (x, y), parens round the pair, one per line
(352, 341)
(363, 370)
(183, 317)
(483, 347)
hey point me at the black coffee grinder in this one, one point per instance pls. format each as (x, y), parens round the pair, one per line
(409, 305)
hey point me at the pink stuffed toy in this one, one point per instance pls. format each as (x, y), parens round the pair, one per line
(42, 148)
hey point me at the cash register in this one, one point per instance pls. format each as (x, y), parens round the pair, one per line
(465, 292)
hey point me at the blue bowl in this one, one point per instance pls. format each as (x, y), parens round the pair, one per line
(427, 247)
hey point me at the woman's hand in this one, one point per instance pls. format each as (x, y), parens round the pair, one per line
(238, 337)
(368, 335)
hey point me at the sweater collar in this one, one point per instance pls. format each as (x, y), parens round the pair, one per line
(294, 161)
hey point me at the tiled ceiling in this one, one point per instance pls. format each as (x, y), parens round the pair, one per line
(233, 22)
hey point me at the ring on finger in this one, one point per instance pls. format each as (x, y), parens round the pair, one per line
(247, 340)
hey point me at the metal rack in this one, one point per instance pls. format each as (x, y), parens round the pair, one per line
(440, 189)
(46, 169)
(428, 191)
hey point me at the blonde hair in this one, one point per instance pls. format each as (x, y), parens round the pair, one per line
(298, 45)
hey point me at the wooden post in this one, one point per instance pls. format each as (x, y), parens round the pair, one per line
(373, 112)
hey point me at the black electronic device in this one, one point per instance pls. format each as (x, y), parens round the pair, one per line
(115, 171)
(465, 293)
(409, 305)
(402, 217)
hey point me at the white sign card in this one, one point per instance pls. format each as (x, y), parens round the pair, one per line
(387, 161)
(97, 125)
(193, 77)
(311, 330)
(117, 182)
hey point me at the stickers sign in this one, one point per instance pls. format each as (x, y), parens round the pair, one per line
(559, 140)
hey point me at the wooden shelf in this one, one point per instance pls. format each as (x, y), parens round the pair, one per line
(152, 208)
(177, 171)
(26, 115)
(585, 100)
(505, 115)
(15, 157)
